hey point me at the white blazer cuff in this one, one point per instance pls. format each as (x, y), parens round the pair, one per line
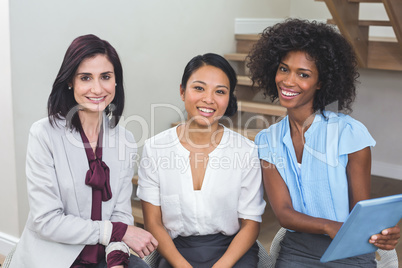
(117, 246)
(106, 228)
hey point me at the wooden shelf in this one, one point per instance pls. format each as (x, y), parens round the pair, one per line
(261, 108)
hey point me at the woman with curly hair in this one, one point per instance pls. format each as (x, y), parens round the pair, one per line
(316, 162)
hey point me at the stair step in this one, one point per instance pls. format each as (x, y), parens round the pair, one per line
(248, 133)
(135, 180)
(236, 56)
(247, 37)
(358, 1)
(367, 22)
(136, 210)
(394, 11)
(244, 80)
(383, 39)
(245, 42)
(261, 108)
(365, 1)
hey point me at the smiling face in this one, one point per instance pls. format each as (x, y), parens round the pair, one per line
(94, 84)
(206, 95)
(297, 81)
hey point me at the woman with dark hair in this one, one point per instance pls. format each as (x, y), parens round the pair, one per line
(79, 170)
(200, 183)
(315, 162)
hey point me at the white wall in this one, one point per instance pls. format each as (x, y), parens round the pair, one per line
(378, 106)
(308, 9)
(8, 190)
(154, 38)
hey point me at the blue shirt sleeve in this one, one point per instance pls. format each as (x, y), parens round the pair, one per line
(354, 137)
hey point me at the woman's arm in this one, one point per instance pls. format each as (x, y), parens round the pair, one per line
(281, 203)
(359, 180)
(153, 224)
(358, 172)
(241, 243)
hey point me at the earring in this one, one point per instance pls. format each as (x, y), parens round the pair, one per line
(69, 87)
(115, 84)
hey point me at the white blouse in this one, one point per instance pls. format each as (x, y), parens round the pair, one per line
(231, 189)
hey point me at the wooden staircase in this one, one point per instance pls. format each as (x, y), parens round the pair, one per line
(136, 206)
(373, 53)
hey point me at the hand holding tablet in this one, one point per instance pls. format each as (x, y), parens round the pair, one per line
(368, 217)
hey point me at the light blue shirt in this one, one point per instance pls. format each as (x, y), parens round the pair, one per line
(320, 188)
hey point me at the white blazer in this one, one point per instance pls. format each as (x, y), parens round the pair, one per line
(59, 223)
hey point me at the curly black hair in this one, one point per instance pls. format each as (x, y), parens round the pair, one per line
(334, 58)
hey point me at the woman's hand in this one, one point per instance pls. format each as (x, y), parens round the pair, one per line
(240, 244)
(387, 239)
(140, 241)
(153, 223)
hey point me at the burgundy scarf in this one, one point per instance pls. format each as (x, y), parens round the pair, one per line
(98, 178)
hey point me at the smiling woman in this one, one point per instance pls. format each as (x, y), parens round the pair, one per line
(297, 81)
(207, 211)
(79, 182)
(94, 84)
(206, 96)
(315, 162)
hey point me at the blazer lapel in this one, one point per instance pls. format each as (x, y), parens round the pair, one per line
(110, 149)
(78, 165)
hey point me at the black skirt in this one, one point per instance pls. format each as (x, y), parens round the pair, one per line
(305, 250)
(204, 251)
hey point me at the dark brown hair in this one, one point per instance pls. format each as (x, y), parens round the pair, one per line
(61, 100)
